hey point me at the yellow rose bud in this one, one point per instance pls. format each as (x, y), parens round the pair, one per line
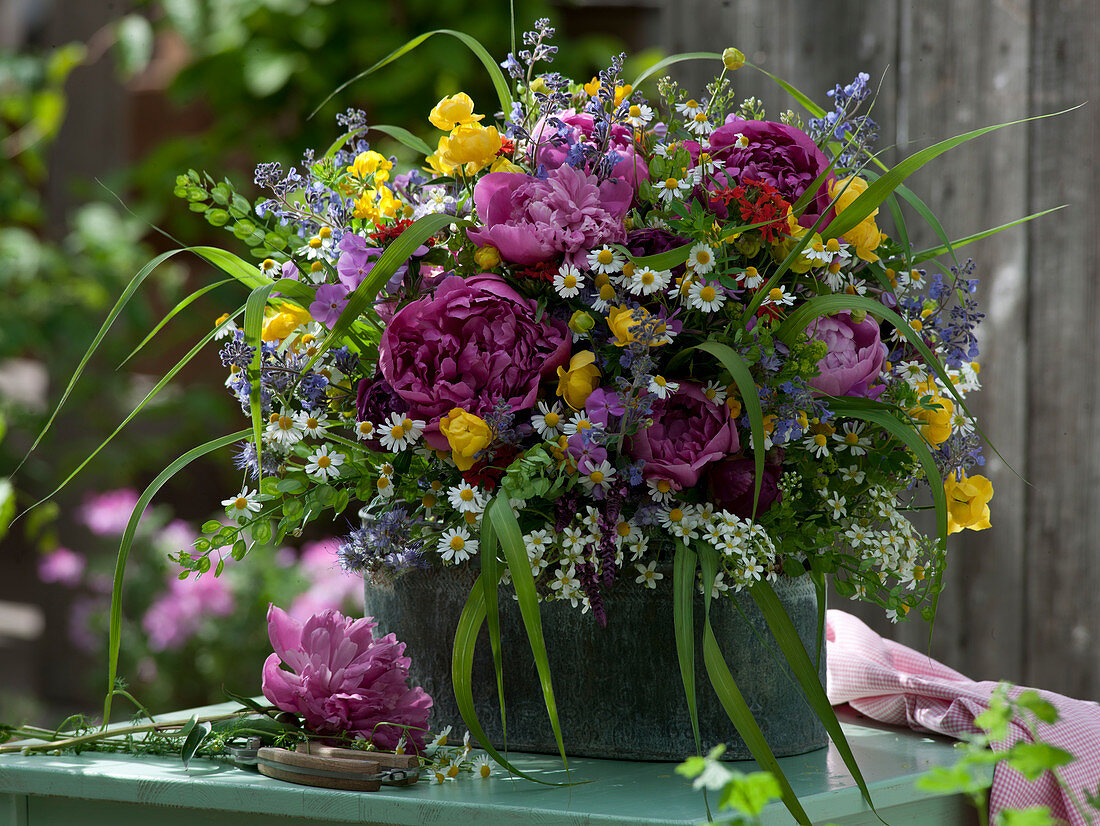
(733, 59)
(576, 383)
(581, 322)
(967, 502)
(452, 111)
(467, 435)
(470, 145)
(487, 257)
(865, 236)
(937, 422)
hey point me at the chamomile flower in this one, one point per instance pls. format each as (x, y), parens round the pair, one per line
(817, 444)
(547, 421)
(482, 766)
(912, 373)
(228, 330)
(699, 125)
(244, 503)
(638, 115)
(751, 278)
(626, 532)
(690, 108)
(961, 423)
(384, 486)
(646, 281)
(701, 259)
(778, 297)
(466, 499)
(568, 281)
(837, 504)
(400, 432)
(648, 575)
(661, 387)
(705, 165)
(364, 430)
(661, 490)
(605, 259)
(285, 429)
(715, 392)
(705, 297)
(912, 280)
(313, 423)
(677, 522)
(740, 140)
(852, 439)
(578, 423)
(456, 546)
(598, 477)
(324, 464)
(318, 248)
(670, 189)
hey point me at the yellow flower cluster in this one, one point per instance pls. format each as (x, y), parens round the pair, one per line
(469, 146)
(967, 502)
(865, 235)
(467, 435)
(374, 200)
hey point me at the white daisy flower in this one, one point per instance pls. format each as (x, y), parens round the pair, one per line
(400, 432)
(740, 140)
(313, 423)
(703, 296)
(599, 476)
(661, 387)
(364, 430)
(384, 486)
(914, 280)
(564, 582)
(639, 115)
(836, 503)
(705, 165)
(962, 424)
(661, 490)
(285, 429)
(456, 546)
(751, 278)
(228, 330)
(715, 392)
(646, 281)
(852, 439)
(482, 766)
(637, 547)
(699, 125)
(605, 259)
(244, 503)
(568, 281)
(547, 421)
(670, 189)
(324, 464)
(690, 108)
(317, 248)
(466, 499)
(648, 575)
(578, 422)
(701, 259)
(778, 297)
(912, 373)
(674, 518)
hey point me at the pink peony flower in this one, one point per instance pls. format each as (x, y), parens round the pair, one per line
(470, 344)
(855, 355)
(343, 680)
(106, 514)
(555, 143)
(61, 565)
(688, 432)
(178, 614)
(530, 220)
(732, 485)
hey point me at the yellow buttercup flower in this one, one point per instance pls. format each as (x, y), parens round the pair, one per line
(471, 146)
(467, 435)
(388, 205)
(284, 321)
(366, 206)
(437, 165)
(937, 422)
(452, 111)
(368, 164)
(733, 59)
(487, 257)
(623, 321)
(502, 164)
(576, 382)
(967, 502)
(865, 236)
(592, 88)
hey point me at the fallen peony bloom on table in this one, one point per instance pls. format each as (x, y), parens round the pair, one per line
(344, 681)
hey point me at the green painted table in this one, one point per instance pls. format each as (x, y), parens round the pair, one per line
(36, 790)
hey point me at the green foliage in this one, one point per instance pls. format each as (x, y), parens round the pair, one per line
(742, 795)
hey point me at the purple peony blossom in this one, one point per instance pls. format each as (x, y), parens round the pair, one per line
(854, 358)
(531, 220)
(61, 565)
(780, 155)
(470, 344)
(554, 145)
(732, 484)
(343, 680)
(688, 432)
(329, 303)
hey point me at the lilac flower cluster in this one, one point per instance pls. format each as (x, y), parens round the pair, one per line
(843, 124)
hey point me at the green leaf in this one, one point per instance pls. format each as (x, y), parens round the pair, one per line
(739, 371)
(877, 191)
(247, 702)
(1032, 759)
(491, 571)
(935, 252)
(1031, 816)
(7, 506)
(508, 532)
(253, 324)
(960, 778)
(115, 626)
(495, 75)
(672, 60)
(405, 137)
(806, 673)
(194, 739)
(683, 622)
(1033, 702)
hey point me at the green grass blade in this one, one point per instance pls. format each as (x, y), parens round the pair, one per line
(804, 671)
(876, 192)
(495, 75)
(936, 252)
(253, 325)
(248, 274)
(733, 701)
(750, 399)
(511, 542)
(684, 564)
(672, 60)
(801, 97)
(182, 305)
(491, 570)
(405, 137)
(165, 379)
(115, 627)
(462, 667)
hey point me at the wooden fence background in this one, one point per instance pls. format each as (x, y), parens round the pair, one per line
(1023, 599)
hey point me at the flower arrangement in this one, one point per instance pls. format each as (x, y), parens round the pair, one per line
(599, 337)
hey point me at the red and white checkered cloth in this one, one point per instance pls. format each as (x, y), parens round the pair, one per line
(894, 684)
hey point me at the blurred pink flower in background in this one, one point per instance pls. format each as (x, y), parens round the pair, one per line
(106, 514)
(178, 613)
(330, 586)
(63, 566)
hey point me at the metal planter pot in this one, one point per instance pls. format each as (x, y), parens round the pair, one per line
(618, 689)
